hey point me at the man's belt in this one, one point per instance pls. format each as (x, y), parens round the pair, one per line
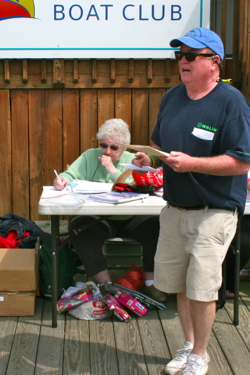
(201, 207)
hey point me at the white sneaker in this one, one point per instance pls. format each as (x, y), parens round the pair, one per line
(177, 364)
(196, 365)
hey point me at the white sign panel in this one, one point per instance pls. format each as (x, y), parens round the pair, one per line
(96, 28)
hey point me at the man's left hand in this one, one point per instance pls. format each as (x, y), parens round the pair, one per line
(179, 162)
(141, 159)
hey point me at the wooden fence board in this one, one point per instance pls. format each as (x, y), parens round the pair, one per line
(88, 119)
(53, 134)
(71, 128)
(140, 117)
(106, 105)
(20, 153)
(155, 97)
(248, 49)
(5, 154)
(37, 151)
(123, 105)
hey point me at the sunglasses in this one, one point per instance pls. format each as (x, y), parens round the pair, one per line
(190, 56)
(112, 147)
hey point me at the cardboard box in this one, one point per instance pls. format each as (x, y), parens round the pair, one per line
(19, 270)
(17, 304)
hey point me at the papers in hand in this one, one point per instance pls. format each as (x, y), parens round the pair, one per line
(116, 197)
(141, 169)
(87, 187)
(146, 149)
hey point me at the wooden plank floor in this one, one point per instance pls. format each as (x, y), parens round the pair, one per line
(30, 346)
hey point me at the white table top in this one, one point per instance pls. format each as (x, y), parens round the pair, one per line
(151, 205)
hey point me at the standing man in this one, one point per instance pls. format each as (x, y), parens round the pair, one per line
(204, 124)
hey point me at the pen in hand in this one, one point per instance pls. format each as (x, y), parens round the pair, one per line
(59, 182)
(56, 174)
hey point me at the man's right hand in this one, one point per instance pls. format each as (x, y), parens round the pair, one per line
(141, 159)
(60, 184)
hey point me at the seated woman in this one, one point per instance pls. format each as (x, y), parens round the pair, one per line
(103, 164)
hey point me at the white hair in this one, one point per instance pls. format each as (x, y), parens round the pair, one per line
(114, 128)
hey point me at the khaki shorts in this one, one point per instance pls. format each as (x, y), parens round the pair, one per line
(191, 248)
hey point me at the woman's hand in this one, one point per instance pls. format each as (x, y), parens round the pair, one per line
(60, 183)
(107, 164)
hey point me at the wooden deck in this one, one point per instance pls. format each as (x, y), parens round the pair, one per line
(30, 346)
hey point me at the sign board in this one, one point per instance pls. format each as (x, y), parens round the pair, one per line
(96, 28)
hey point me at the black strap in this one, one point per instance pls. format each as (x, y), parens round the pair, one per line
(86, 226)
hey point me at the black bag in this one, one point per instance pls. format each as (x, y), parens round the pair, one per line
(68, 264)
(150, 189)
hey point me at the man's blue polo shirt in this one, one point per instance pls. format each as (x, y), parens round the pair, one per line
(216, 124)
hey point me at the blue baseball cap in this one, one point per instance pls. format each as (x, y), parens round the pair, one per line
(201, 38)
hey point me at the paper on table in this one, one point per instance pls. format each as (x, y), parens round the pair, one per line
(61, 198)
(86, 187)
(46, 188)
(146, 149)
(142, 169)
(117, 197)
(159, 192)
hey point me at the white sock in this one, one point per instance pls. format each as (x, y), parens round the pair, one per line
(149, 282)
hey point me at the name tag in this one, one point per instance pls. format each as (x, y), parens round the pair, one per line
(203, 134)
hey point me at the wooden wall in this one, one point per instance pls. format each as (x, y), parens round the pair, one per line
(51, 110)
(44, 128)
(242, 46)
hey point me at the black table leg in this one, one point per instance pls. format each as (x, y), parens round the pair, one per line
(237, 275)
(54, 267)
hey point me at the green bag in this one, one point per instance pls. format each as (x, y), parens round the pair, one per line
(68, 264)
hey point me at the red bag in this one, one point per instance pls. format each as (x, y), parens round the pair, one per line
(149, 178)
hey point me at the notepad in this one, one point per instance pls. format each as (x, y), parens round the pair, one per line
(147, 149)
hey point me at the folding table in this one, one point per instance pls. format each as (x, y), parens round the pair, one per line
(151, 205)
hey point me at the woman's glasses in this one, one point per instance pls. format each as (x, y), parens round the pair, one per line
(190, 56)
(112, 147)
